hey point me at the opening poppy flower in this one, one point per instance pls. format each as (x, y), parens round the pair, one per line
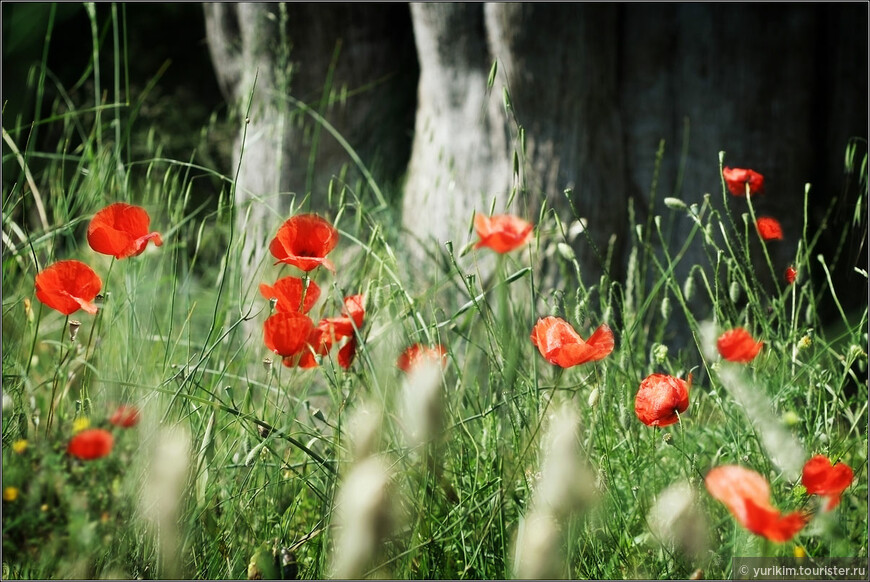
(737, 345)
(790, 275)
(91, 444)
(417, 353)
(502, 233)
(304, 241)
(746, 494)
(769, 228)
(288, 292)
(286, 333)
(821, 477)
(125, 416)
(68, 286)
(661, 398)
(737, 180)
(121, 230)
(561, 345)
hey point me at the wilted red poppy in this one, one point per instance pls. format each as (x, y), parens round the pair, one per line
(304, 241)
(286, 333)
(661, 398)
(502, 233)
(561, 345)
(790, 275)
(737, 345)
(736, 179)
(417, 353)
(121, 230)
(68, 286)
(91, 444)
(746, 494)
(820, 477)
(288, 293)
(769, 228)
(125, 416)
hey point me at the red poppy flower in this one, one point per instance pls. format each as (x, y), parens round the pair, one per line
(660, 398)
(125, 416)
(286, 333)
(121, 230)
(91, 444)
(769, 228)
(737, 345)
(288, 292)
(502, 233)
(746, 494)
(736, 180)
(820, 477)
(330, 331)
(790, 275)
(304, 241)
(68, 286)
(417, 353)
(561, 345)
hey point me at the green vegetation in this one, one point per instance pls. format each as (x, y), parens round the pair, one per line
(236, 465)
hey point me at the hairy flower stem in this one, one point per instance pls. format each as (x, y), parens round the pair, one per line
(50, 415)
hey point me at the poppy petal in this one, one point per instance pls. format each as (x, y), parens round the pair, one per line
(502, 233)
(91, 444)
(660, 399)
(288, 293)
(561, 345)
(769, 228)
(68, 286)
(736, 179)
(286, 333)
(121, 230)
(820, 477)
(746, 494)
(737, 345)
(304, 241)
(417, 353)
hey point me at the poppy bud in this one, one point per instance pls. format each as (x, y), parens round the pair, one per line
(675, 203)
(734, 291)
(566, 251)
(666, 308)
(593, 398)
(689, 287)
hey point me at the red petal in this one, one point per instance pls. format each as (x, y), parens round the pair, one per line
(286, 333)
(660, 398)
(737, 345)
(304, 241)
(502, 233)
(821, 478)
(121, 230)
(68, 286)
(769, 228)
(91, 444)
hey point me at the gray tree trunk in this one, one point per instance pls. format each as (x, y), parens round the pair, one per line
(351, 64)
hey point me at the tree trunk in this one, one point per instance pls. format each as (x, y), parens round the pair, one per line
(352, 65)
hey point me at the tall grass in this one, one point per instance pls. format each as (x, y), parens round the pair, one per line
(241, 467)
